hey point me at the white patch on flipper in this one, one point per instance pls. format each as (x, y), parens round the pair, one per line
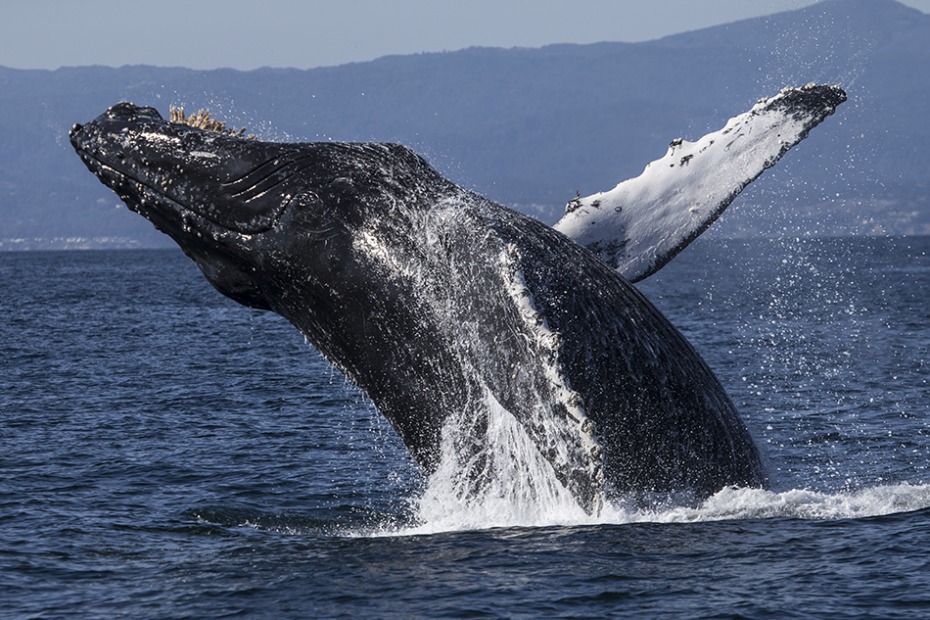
(643, 222)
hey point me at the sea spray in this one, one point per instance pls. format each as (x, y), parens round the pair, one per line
(733, 503)
(504, 482)
(729, 504)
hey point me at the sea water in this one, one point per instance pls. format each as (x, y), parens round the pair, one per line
(166, 453)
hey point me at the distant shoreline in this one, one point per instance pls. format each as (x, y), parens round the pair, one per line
(65, 244)
(79, 243)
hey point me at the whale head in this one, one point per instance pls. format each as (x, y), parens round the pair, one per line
(227, 200)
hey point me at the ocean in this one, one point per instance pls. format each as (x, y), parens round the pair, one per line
(167, 453)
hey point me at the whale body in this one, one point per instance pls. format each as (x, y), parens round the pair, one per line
(441, 305)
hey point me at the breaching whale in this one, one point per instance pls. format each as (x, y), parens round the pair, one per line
(445, 307)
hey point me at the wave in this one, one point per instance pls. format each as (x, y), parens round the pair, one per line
(432, 514)
(731, 503)
(739, 503)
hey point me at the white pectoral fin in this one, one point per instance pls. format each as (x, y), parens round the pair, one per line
(644, 222)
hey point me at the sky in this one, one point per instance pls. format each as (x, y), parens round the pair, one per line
(247, 34)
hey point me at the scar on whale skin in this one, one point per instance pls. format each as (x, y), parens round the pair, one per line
(446, 308)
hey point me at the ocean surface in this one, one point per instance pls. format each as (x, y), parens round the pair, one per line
(166, 453)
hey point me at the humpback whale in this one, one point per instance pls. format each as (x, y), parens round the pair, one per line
(445, 307)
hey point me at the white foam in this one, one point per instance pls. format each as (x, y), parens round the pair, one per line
(739, 503)
(509, 483)
(439, 515)
(506, 483)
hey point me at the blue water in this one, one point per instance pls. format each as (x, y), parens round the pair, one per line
(166, 453)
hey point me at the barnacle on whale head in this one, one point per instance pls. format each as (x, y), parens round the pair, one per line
(202, 119)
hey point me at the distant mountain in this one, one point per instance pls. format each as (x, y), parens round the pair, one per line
(530, 127)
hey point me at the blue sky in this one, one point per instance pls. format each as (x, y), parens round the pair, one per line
(245, 34)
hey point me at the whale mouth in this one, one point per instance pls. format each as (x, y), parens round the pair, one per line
(178, 176)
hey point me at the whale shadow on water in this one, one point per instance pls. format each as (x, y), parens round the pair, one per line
(516, 361)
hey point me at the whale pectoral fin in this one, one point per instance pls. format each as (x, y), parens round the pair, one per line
(644, 222)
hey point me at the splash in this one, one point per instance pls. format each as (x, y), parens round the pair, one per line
(506, 482)
(738, 504)
(729, 504)
(509, 483)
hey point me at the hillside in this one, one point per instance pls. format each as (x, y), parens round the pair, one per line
(530, 127)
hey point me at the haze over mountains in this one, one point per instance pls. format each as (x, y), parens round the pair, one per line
(530, 127)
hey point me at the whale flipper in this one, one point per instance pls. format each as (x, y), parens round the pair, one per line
(644, 222)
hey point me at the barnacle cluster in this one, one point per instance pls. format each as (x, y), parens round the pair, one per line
(201, 119)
